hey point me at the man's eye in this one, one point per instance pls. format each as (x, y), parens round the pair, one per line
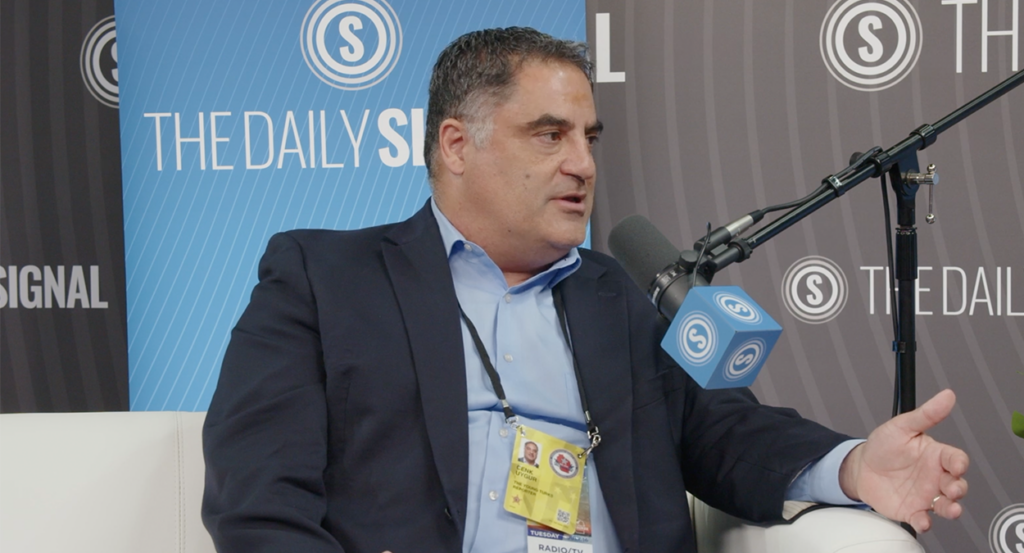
(593, 139)
(553, 136)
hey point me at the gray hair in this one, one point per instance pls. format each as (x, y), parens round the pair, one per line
(477, 71)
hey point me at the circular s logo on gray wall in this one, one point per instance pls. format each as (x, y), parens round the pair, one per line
(815, 289)
(1006, 534)
(98, 62)
(351, 44)
(870, 44)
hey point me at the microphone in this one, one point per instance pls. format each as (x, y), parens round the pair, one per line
(718, 335)
(654, 264)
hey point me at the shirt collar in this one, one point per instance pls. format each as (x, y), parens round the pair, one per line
(454, 246)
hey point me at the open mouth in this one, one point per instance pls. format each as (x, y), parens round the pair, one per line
(573, 203)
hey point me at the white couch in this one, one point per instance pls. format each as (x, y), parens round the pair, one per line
(133, 483)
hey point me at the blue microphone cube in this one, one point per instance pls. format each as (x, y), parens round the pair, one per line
(721, 337)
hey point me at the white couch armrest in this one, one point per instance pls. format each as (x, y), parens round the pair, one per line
(820, 530)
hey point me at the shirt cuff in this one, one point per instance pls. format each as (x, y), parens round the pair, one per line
(819, 481)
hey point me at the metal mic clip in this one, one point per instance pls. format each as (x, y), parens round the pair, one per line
(931, 178)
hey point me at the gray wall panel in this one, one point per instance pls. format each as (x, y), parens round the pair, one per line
(729, 106)
(61, 208)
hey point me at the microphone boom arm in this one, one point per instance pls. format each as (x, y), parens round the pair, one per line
(901, 164)
(902, 155)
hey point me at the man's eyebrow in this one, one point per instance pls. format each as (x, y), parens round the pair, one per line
(548, 120)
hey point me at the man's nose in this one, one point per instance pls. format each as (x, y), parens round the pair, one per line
(579, 160)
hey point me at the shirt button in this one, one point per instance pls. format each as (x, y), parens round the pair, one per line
(508, 298)
(503, 432)
(467, 246)
(508, 357)
(493, 495)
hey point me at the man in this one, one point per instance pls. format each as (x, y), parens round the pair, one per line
(358, 406)
(529, 457)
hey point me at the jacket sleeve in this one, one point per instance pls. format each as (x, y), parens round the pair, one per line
(265, 436)
(741, 456)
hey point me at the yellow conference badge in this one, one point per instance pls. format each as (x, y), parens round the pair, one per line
(545, 480)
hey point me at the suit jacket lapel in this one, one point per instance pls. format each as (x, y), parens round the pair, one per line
(598, 324)
(418, 268)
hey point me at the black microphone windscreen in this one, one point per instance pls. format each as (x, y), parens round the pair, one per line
(641, 249)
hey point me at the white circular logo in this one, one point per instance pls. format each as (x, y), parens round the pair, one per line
(564, 463)
(697, 338)
(737, 307)
(98, 62)
(870, 44)
(814, 289)
(351, 44)
(745, 359)
(1006, 534)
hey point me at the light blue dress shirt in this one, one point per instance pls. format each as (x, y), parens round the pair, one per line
(519, 327)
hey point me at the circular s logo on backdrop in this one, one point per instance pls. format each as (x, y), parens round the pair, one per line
(697, 338)
(1006, 534)
(870, 44)
(815, 289)
(351, 44)
(744, 359)
(737, 308)
(98, 62)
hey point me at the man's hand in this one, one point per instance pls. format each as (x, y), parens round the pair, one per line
(903, 473)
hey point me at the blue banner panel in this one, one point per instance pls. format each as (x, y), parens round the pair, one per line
(242, 119)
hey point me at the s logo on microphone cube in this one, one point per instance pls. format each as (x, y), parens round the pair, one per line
(721, 337)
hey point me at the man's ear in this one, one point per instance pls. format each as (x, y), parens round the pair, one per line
(453, 138)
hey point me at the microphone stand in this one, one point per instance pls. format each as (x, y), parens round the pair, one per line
(901, 164)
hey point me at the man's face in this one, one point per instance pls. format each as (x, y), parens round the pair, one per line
(530, 453)
(529, 188)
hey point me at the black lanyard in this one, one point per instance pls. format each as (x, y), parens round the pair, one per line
(510, 417)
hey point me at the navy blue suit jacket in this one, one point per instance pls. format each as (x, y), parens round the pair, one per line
(340, 421)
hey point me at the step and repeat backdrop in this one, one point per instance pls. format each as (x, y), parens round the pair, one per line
(247, 118)
(714, 109)
(62, 304)
(242, 119)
